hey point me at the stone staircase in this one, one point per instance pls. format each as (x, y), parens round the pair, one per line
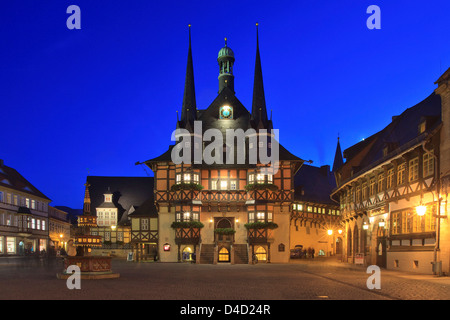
(207, 254)
(240, 254)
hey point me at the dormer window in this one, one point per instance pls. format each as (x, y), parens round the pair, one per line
(422, 127)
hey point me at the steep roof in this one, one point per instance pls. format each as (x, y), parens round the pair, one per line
(314, 184)
(11, 178)
(127, 191)
(400, 134)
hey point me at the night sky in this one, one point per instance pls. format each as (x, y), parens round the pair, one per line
(97, 100)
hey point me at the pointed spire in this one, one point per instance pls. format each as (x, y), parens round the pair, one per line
(189, 107)
(259, 100)
(338, 160)
(87, 199)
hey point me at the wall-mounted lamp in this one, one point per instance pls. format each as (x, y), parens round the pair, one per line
(421, 210)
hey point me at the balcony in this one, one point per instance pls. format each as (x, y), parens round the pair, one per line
(187, 235)
(266, 195)
(178, 196)
(258, 236)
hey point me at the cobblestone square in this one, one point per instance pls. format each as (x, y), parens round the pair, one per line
(319, 279)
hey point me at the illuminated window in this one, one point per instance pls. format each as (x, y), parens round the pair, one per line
(260, 178)
(224, 255)
(380, 182)
(223, 185)
(401, 173)
(413, 173)
(364, 191)
(372, 187)
(10, 244)
(428, 164)
(233, 185)
(390, 179)
(260, 216)
(261, 253)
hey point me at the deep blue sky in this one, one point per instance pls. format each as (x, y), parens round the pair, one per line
(104, 97)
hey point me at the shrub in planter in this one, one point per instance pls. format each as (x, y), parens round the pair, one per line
(187, 224)
(225, 231)
(261, 225)
(186, 186)
(261, 186)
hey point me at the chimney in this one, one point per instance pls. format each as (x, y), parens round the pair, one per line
(1, 163)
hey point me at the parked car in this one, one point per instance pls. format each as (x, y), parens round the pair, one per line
(297, 252)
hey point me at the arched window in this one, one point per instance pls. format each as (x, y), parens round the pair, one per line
(224, 255)
(261, 253)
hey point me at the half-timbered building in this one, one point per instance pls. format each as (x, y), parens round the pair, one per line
(112, 200)
(23, 214)
(392, 190)
(232, 211)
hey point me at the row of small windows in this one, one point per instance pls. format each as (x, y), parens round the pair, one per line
(187, 216)
(223, 183)
(314, 209)
(12, 220)
(106, 218)
(393, 177)
(259, 216)
(17, 200)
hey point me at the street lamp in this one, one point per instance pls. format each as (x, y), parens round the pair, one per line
(365, 226)
(421, 210)
(330, 232)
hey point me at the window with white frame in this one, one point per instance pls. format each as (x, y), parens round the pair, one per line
(144, 224)
(428, 164)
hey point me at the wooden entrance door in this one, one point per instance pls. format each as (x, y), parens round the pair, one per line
(381, 252)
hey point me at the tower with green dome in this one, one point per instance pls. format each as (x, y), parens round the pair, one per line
(225, 59)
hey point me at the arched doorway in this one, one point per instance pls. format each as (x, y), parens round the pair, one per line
(224, 254)
(355, 240)
(349, 244)
(381, 247)
(186, 255)
(21, 248)
(338, 245)
(261, 253)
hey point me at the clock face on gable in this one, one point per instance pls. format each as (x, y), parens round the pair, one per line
(226, 112)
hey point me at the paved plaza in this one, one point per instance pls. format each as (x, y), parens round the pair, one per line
(319, 279)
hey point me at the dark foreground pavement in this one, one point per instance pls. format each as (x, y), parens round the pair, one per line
(324, 279)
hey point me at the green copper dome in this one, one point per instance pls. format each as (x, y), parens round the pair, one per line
(225, 51)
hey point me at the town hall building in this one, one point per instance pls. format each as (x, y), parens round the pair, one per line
(237, 211)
